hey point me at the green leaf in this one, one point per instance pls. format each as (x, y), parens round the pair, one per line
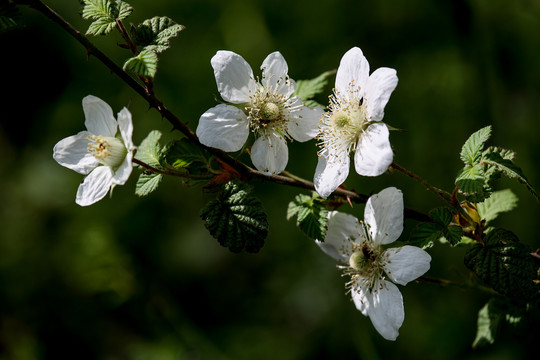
(472, 182)
(426, 234)
(124, 9)
(156, 33)
(101, 26)
(183, 153)
(497, 312)
(144, 64)
(311, 215)
(307, 89)
(236, 218)
(472, 149)
(498, 202)
(147, 182)
(10, 16)
(506, 265)
(508, 168)
(149, 150)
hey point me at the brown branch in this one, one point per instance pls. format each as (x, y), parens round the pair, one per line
(148, 95)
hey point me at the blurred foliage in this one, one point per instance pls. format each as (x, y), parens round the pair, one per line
(141, 278)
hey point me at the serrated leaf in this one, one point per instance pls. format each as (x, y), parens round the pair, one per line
(9, 16)
(487, 326)
(124, 9)
(441, 216)
(472, 182)
(149, 150)
(311, 215)
(236, 218)
(425, 235)
(506, 265)
(509, 169)
(144, 64)
(307, 89)
(498, 202)
(472, 149)
(157, 32)
(98, 9)
(147, 183)
(452, 234)
(101, 27)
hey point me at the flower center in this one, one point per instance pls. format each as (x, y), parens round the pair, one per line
(270, 111)
(266, 112)
(107, 150)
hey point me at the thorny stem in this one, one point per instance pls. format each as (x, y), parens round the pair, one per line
(443, 194)
(147, 94)
(166, 172)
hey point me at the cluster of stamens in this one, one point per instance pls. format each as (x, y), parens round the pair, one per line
(107, 150)
(344, 123)
(268, 110)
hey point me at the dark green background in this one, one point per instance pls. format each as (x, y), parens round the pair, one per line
(140, 278)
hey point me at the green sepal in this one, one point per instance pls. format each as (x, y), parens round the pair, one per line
(311, 215)
(441, 229)
(307, 89)
(236, 218)
(10, 16)
(506, 265)
(154, 34)
(144, 64)
(149, 151)
(148, 182)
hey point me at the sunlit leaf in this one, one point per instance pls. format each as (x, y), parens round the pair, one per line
(311, 215)
(498, 202)
(147, 182)
(144, 64)
(472, 149)
(155, 33)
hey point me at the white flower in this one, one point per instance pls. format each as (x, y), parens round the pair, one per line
(98, 152)
(359, 247)
(266, 108)
(354, 123)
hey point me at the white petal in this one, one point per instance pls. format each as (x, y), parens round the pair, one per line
(99, 118)
(383, 216)
(330, 173)
(95, 186)
(386, 309)
(223, 127)
(360, 296)
(72, 152)
(125, 124)
(234, 77)
(343, 231)
(304, 122)
(353, 70)
(373, 153)
(380, 86)
(124, 170)
(274, 69)
(406, 263)
(269, 154)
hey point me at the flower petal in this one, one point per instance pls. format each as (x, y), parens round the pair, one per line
(343, 231)
(125, 124)
(223, 127)
(406, 263)
(386, 309)
(304, 122)
(274, 70)
(353, 70)
(373, 153)
(269, 154)
(383, 216)
(380, 86)
(234, 77)
(124, 170)
(360, 296)
(72, 152)
(330, 173)
(95, 186)
(99, 118)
